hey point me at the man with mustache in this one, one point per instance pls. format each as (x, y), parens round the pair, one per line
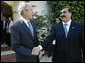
(69, 37)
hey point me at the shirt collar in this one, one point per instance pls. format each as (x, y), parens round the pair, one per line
(69, 22)
(24, 19)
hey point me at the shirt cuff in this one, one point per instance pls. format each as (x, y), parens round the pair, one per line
(40, 47)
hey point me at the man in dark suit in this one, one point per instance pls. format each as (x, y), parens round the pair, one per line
(24, 36)
(3, 29)
(69, 37)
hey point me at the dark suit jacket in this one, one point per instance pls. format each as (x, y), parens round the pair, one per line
(66, 49)
(2, 26)
(3, 31)
(22, 42)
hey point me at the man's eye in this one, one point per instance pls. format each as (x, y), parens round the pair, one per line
(61, 13)
(64, 12)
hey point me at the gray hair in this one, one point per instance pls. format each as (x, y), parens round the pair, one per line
(24, 7)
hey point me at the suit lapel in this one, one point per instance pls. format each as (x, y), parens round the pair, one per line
(61, 28)
(26, 29)
(72, 27)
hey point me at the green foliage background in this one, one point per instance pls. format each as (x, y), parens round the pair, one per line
(76, 6)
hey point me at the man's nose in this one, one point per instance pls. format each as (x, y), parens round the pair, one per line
(62, 14)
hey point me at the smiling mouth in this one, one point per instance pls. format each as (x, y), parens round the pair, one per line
(62, 17)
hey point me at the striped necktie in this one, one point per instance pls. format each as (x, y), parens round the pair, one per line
(65, 28)
(31, 28)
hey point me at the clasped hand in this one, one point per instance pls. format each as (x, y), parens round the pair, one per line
(36, 51)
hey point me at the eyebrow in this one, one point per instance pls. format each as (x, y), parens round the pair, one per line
(62, 11)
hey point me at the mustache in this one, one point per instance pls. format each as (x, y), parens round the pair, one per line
(63, 16)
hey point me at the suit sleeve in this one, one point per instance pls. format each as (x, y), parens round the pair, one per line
(82, 38)
(49, 38)
(36, 42)
(15, 43)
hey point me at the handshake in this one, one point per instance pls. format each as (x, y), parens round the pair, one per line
(36, 51)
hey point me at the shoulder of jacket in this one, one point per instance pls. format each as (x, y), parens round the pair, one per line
(17, 24)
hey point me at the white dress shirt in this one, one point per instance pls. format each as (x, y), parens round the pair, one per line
(25, 21)
(68, 26)
(54, 42)
(4, 23)
(10, 24)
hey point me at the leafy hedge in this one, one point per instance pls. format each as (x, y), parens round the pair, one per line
(76, 6)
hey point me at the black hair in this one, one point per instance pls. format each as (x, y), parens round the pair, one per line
(69, 9)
